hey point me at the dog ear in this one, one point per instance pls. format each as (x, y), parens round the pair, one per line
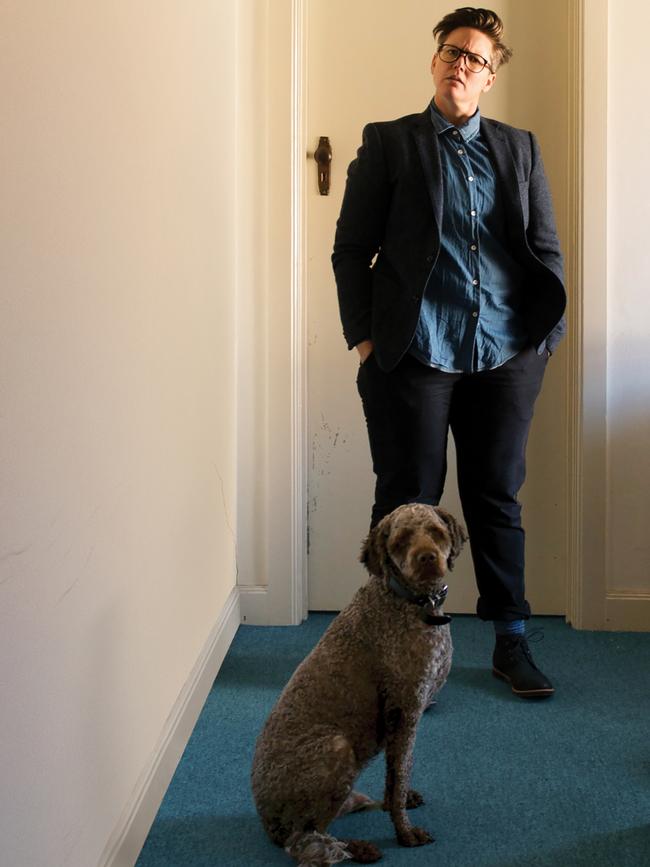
(457, 533)
(373, 550)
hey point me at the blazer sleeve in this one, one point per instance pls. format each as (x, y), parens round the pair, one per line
(359, 235)
(542, 232)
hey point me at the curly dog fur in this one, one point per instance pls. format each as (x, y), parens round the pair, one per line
(361, 690)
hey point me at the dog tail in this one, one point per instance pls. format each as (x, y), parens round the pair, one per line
(313, 849)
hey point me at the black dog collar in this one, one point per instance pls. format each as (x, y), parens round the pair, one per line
(427, 604)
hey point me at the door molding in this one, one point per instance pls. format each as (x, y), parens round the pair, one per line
(300, 450)
(587, 325)
(587, 314)
(272, 544)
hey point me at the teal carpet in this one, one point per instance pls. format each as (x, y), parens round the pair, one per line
(552, 783)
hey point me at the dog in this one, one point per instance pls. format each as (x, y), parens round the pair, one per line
(361, 691)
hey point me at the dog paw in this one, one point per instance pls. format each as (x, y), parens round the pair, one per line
(413, 799)
(363, 852)
(414, 837)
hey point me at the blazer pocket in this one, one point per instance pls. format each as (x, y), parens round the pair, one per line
(367, 358)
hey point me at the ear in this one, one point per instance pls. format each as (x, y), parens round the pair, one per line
(457, 533)
(373, 550)
(489, 82)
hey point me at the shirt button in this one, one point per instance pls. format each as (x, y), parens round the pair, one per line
(474, 282)
(460, 151)
(473, 213)
(475, 314)
(473, 247)
(455, 132)
(429, 258)
(470, 178)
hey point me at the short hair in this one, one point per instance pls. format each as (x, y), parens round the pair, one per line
(485, 20)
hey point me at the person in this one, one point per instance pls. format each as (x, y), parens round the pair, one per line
(450, 284)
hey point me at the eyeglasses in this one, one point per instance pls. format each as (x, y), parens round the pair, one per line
(474, 62)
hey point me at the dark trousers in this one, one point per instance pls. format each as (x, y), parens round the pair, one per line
(409, 412)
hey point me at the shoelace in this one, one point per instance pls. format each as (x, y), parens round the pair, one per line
(534, 637)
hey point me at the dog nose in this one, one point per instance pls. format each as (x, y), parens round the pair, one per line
(426, 557)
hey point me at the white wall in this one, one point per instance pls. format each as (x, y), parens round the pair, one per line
(628, 343)
(118, 383)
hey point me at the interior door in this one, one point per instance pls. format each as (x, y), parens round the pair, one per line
(369, 60)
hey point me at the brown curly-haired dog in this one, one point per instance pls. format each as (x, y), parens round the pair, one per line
(362, 690)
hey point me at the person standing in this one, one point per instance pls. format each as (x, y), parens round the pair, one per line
(450, 285)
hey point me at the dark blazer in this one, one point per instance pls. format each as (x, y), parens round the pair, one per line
(392, 209)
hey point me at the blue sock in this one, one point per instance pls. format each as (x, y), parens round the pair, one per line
(510, 627)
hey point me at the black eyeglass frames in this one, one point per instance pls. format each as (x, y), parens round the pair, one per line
(474, 62)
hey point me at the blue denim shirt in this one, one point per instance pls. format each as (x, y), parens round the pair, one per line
(470, 318)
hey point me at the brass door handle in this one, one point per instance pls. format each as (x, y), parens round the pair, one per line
(323, 156)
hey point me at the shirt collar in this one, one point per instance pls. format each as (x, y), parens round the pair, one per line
(469, 130)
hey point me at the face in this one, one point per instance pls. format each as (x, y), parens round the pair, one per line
(418, 543)
(457, 87)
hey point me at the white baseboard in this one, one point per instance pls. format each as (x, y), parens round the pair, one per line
(254, 605)
(127, 839)
(260, 606)
(627, 612)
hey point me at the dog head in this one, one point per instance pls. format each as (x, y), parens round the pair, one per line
(418, 542)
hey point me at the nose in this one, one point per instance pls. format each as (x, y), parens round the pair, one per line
(426, 557)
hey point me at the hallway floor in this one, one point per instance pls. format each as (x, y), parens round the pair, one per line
(507, 783)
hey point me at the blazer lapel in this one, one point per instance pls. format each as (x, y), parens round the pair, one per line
(428, 149)
(506, 172)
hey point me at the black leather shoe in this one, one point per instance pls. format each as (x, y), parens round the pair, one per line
(512, 661)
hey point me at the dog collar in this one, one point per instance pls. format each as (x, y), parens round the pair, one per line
(427, 604)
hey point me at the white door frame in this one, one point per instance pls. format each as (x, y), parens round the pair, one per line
(587, 315)
(283, 599)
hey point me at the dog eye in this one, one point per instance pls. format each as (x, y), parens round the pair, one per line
(402, 538)
(437, 534)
